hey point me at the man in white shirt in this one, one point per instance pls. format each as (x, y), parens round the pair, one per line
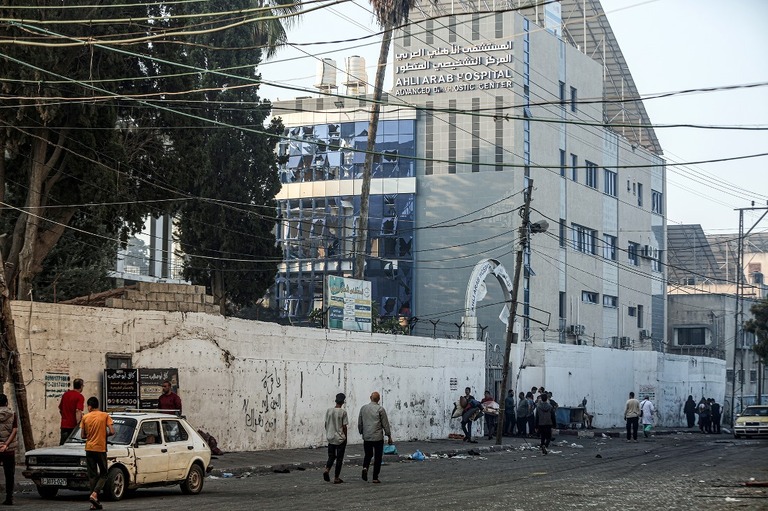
(646, 413)
(336, 422)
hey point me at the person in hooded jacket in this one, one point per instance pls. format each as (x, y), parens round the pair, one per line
(545, 420)
(690, 411)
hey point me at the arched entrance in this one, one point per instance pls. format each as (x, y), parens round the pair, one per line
(476, 292)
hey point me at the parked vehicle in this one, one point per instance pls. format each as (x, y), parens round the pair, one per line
(147, 449)
(752, 421)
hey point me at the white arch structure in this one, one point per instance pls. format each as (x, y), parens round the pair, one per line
(476, 292)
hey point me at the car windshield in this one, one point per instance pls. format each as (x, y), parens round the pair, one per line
(755, 411)
(124, 428)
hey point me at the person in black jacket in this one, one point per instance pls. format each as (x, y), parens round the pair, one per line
(545, 421)
(690, 411)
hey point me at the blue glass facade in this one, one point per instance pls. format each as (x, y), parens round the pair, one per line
(337, 151)
(317, 234)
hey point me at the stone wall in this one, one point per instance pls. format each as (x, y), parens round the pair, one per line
(165, 297)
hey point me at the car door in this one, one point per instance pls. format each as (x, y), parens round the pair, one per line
(180, 448)
(151, 454)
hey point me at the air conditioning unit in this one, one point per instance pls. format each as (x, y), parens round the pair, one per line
(614, 342)
(625, 342)
(645, 334)
(576, 330)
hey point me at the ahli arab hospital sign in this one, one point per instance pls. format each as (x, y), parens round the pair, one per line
(429, 71)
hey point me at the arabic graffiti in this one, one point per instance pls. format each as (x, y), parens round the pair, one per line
(261, 413)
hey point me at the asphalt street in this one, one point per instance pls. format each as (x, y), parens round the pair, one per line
(671, 472)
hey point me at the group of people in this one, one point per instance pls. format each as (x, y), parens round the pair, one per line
(636, 412)
(533, 414)
(372, 424)
(709, 412)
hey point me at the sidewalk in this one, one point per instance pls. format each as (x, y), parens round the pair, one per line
(235, 464)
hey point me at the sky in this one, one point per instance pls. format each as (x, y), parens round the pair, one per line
(669, 45)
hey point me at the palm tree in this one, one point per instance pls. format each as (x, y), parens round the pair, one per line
(271, 31)
(389, 14)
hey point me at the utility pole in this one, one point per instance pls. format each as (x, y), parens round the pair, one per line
(16, 377)
(738, 342)
(524, 233)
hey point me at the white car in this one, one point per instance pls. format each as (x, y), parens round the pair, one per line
(148, 449)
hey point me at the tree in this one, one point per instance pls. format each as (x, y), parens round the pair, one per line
(91, 119)
(228, 237)
(758, 325)
(389, 14)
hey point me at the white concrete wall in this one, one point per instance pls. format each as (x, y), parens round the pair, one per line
(606, 377)
(252, 385)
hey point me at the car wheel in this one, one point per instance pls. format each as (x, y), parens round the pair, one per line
(116, 484)
(193, 484)
(47, 492)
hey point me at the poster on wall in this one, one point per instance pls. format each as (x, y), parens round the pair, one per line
(348, 302)
(56, 384)
(121, 389)
(151, 382)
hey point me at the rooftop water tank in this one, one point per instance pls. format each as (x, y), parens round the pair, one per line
(326, 75)
(357, 78)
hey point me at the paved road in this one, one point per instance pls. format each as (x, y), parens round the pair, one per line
(666, 473)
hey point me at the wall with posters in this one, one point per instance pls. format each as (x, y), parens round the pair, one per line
(252, 385)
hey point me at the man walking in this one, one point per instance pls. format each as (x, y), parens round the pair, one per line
(169, 401)
(545, 420)
(71, 409)
(95, 427)
(9, 426)
(336, 421)
(646, 413)
(631, 415)
(373, 424)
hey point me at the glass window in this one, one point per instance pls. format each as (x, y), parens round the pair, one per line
(610, 182)
(563, 228)
(574, 167)
(632, 311)
(562, 93)
(609, 247)
(149, 433)
(632, 249)
(562, 162)
(657, 202)
(573, 99)
(174, 431)
(591, 170)
(588, 297)
(583, 238)
(690, 336)
(640, 320)
(640, 194)
(610, 301)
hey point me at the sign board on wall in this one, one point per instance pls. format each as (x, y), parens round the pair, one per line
(121, 389)
(349, 303)
(136, 388)
(56, 384)
(151, 385)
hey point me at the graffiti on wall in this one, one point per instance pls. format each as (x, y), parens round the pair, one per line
(261, 412)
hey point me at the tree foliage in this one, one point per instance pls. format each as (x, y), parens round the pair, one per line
(124, 112)
(758, 325)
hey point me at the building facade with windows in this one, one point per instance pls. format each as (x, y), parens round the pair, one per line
(481, 103)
